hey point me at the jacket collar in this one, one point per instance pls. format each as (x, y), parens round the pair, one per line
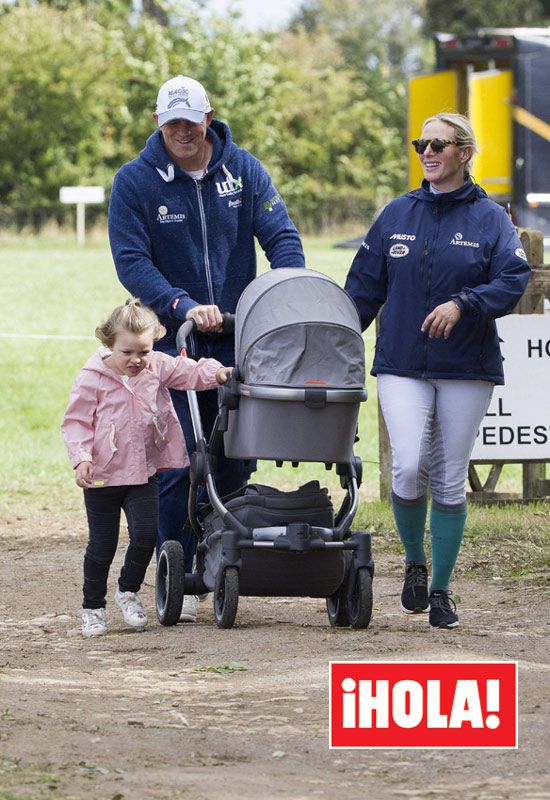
(155, 153)
(467, 192)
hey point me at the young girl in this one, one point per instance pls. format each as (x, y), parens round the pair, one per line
(120, 429)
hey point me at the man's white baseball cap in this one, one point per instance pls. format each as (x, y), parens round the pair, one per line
(182, 98)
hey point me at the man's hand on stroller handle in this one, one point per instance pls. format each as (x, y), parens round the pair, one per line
(206, 318)
(83, 474)
(190, 324)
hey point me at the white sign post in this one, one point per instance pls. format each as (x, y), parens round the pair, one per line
(517, 424)
(80, 196)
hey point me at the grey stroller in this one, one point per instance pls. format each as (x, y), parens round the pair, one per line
(294, 396)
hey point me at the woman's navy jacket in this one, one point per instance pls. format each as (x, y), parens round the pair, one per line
(177, 242)
(423, 250)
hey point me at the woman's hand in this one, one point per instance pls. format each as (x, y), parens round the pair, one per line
(223, 374)
(207, 318)
(84, 473)
(441, 320)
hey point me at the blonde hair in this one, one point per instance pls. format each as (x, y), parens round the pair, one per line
(132, 317)
(465, 135)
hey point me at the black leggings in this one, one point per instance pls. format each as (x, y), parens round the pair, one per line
(103, 506)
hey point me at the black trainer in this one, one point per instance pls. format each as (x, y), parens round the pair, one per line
(414, 597)
(442, 610)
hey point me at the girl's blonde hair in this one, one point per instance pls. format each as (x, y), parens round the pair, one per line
(465, 135)
(132, 317)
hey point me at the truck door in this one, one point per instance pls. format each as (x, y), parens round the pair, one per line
(428, 95)
(490, 111)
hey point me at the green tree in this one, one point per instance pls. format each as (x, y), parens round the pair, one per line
(58, 88)
(464, 17)
(335, 157)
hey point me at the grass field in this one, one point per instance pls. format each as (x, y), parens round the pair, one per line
(52, 288)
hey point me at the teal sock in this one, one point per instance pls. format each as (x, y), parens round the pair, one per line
(410, 518)
(446, 531)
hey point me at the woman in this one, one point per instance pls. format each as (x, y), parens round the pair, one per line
(446, 262)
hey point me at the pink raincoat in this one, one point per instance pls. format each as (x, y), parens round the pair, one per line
(129, 430)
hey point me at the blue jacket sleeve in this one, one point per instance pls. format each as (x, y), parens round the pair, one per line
(367, 280)
(132, 253)
(508, 276)
(275, 231)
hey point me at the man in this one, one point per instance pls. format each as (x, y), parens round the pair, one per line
(182, 221)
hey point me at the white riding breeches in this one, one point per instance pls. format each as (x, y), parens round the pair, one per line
(432, 425)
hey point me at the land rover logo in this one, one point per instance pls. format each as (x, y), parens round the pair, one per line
(398, 250)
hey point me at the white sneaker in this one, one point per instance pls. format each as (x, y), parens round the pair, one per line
(94, 622)
(189, 608)
(132, 609)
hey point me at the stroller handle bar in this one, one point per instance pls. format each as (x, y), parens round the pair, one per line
(301, 395)
(189, 326)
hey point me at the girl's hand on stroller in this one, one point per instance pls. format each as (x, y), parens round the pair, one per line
(84, 473)
(223, 374)
(207, 318)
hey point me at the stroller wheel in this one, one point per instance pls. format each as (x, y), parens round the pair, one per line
(359, 598)
(337, 608)
(337, 603)
(169, 587)
(226, 597)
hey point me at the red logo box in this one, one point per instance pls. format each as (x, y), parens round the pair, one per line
(423, 704)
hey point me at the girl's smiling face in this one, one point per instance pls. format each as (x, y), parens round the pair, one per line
(445, 170)
(131, 352)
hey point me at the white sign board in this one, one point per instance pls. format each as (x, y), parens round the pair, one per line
(517, 425)
(82, 194)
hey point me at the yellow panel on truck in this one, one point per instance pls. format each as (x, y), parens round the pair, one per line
(428, 94)
(490, 111)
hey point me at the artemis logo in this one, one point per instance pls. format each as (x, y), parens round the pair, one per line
(399, 250)
(404, 237)
(423, 705)
(164, 217)
(520, 253)
(459, 240)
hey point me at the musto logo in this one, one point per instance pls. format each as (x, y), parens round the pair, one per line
(411, 704)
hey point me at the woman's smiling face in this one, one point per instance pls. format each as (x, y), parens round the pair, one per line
(445, 170)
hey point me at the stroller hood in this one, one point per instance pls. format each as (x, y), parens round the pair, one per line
(296, 328)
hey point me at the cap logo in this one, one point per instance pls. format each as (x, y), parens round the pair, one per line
(179, 96)
(183, 91)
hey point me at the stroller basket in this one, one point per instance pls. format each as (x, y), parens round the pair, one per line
(317, 573)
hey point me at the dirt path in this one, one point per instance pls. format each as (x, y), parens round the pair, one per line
(137, 716)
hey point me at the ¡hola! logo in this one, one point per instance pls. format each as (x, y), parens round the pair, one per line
(411, 704)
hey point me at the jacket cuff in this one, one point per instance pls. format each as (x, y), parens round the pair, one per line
(462, 301)
(180, 307)
(80, 457)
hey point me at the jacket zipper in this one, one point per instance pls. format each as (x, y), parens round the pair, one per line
(424, 258)
(205, 241)
(429, 279)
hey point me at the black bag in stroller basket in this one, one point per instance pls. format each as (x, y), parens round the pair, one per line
(275, 573)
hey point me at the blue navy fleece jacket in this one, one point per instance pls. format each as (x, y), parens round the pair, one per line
(426, 249)
(179, 242)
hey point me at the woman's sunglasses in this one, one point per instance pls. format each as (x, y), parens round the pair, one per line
(437, 145)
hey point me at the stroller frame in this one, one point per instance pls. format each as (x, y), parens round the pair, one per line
(350, 602)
